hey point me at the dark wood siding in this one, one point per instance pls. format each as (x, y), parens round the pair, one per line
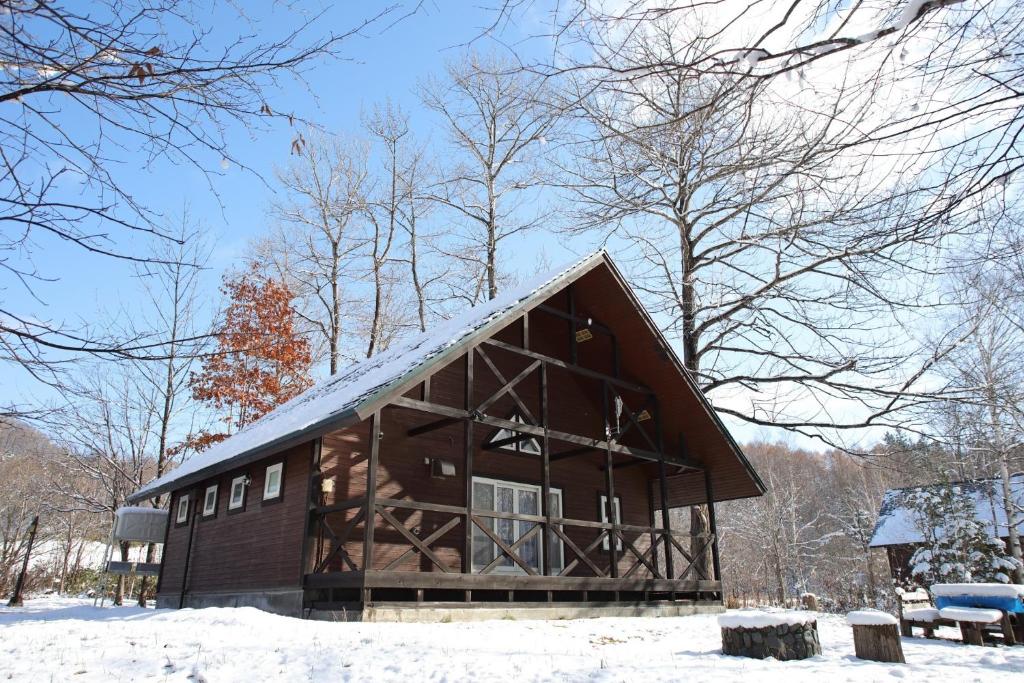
(256, 548)
(575, 407)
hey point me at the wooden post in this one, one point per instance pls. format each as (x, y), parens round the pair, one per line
(712, 527)
(650, 520)
(545, 479)
(971, 633)
(312, 497)
(370, 517)
(467, 551)
(1009, 637)
(609, 481)
(570, 291)
(17, 599)
(666, 521)
(878, 643)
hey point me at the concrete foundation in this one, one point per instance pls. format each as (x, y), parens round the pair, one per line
(285, 602)
(449, 612)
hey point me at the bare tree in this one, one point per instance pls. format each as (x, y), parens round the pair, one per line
(404, 202)
(109, 427)
(316, 246)
(171, 281)
(79, 87)
(498, 120)
(986, 374)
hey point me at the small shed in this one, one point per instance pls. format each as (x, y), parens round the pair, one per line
(899, 531)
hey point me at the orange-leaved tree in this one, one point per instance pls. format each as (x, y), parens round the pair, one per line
(261, 360)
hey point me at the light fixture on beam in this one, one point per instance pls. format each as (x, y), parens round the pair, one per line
(584, 335)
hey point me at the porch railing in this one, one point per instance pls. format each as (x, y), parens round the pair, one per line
(337, 522)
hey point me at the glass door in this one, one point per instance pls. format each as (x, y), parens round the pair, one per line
(522, 499)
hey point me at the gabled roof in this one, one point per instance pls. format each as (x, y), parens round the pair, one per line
(898, 522)
(337, 401)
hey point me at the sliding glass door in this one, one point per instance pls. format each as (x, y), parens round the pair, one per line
(522, 499)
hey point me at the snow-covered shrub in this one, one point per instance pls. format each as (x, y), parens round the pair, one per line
(958, 547)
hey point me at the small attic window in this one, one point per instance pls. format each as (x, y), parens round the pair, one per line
(527, 444)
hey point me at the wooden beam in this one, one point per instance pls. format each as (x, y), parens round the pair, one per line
(312, 498)
(411, 537)
(577, 369)
(589, 322)
(371, 490)
(712, 526)
(431, 426)
(467, 469)
(609, 482)
(599, 444)
(545, 473)
(452, 523)
(509, 388)
(666, 522)
(573, 355)
(572, 453)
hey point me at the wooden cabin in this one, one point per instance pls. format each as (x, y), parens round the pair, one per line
(524, 454)
(900, 528)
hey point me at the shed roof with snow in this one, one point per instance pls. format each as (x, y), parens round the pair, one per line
(343, 398)
(898, 523)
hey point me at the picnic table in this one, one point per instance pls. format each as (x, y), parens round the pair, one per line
(977, 606)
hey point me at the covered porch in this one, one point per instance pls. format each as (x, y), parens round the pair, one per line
(518, 538)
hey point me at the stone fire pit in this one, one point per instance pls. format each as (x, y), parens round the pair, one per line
(782, 635)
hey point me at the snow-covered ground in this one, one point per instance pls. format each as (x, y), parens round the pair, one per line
(69, 640)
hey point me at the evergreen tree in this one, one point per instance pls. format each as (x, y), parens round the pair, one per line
(959, 547)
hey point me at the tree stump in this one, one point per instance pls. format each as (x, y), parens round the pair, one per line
(878, 642)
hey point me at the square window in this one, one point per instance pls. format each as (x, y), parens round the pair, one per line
(237, 499)
(182, 515)
(272, 482)
(210, 501)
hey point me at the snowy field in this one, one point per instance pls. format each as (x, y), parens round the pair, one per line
(69, 640)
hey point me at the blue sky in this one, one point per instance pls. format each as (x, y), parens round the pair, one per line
(232, 205)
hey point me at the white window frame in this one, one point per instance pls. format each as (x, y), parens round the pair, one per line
(277, 467)
(208, 509)
(519, 486)
(532, 445)
(604, 519)
(237, 481)
(182, 515)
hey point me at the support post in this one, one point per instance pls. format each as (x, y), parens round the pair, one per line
(571, 293)
(545, 480)
(370, 517)
(312, 499)
(19, 587)
(609, 482)
(467, 549)
(712, 527)
(666, 518)
(650, 521)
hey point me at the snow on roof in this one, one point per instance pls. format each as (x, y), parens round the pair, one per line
(898, 524)
(345, 391)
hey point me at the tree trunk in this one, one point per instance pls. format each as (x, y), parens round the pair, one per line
(1011, 518)
(119, 591)
(879, 643)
